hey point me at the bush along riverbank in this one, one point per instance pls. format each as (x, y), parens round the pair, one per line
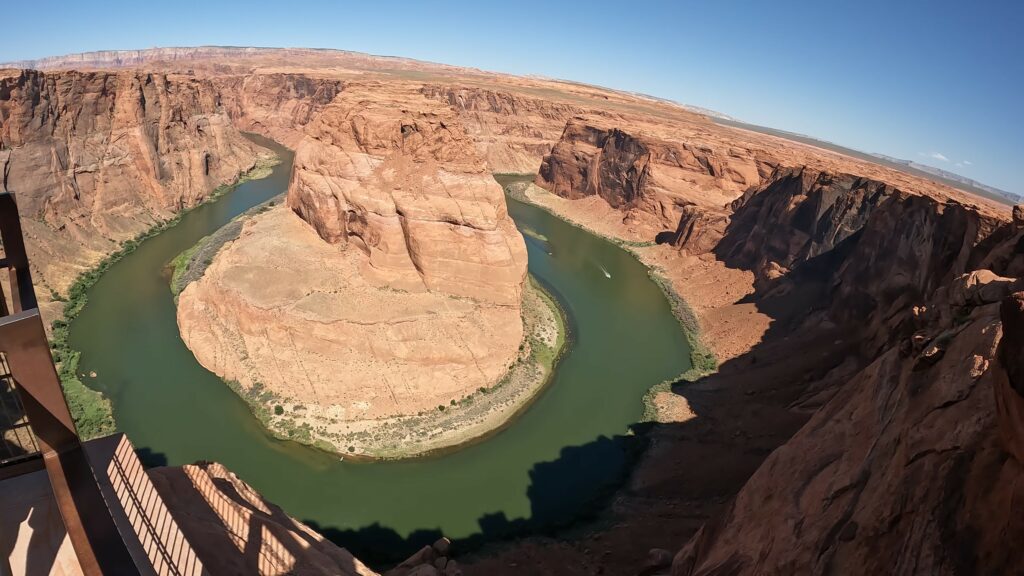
(702, 358)
(90, 409)
(191, 264)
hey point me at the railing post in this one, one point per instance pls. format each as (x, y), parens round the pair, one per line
(90, 526)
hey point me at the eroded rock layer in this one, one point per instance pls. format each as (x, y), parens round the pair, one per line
(391, 287)
(281, 307)
(401, 180)
(650, 178)
(909, 460)
(512, 131)
(912, 467)
(97, 158)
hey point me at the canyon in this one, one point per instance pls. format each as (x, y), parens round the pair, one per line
(867, 325)
(97, 158)
(859, 415)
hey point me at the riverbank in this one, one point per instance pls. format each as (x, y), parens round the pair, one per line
(90, 409)
(190, 265)
(661, 502)
(596, 217)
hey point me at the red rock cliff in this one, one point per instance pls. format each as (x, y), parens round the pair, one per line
(912, 464)
(401, 180)
(97, 158)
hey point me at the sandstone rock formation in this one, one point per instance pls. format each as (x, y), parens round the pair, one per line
(401, 181)
(281, 307)
(97, 158)
(651, 179)
(905, 467)
(511, 131)
(276, 104)
(395, 286)
(911, 468)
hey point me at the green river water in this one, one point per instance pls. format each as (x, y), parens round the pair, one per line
(546, 468)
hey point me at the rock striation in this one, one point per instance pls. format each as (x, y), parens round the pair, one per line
(910, 457)
(278, 105)
(402, 182)
(512, 131)
(98, 157)
(391, 284)
(652, 180)
(910, 468)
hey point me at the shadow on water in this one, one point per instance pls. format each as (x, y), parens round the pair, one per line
(151, 459)
(565, 492)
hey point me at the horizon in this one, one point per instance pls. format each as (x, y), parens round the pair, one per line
(960, 128)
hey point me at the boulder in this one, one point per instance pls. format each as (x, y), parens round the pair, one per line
(980, 287)
(419, 564)
(442, 546)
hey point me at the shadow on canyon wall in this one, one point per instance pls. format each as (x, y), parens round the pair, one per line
(752, 405)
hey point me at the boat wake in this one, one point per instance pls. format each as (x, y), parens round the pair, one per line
(607, 274)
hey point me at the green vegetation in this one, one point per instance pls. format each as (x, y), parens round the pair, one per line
(702, 358)
(545, 355)
(191, 264)
(91, 410)
(180, 266)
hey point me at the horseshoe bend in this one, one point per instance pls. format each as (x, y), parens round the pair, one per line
(320, 312)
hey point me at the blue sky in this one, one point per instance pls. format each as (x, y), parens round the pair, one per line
(936, 81)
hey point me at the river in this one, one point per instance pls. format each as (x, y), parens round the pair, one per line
(548, 467)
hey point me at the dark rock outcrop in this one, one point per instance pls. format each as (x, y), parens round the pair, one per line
(912, 461)
(1009, 385)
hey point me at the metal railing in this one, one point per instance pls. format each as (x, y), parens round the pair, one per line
(17, 443)
(42, 410)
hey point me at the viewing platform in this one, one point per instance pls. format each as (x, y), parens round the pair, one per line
(66, 507)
